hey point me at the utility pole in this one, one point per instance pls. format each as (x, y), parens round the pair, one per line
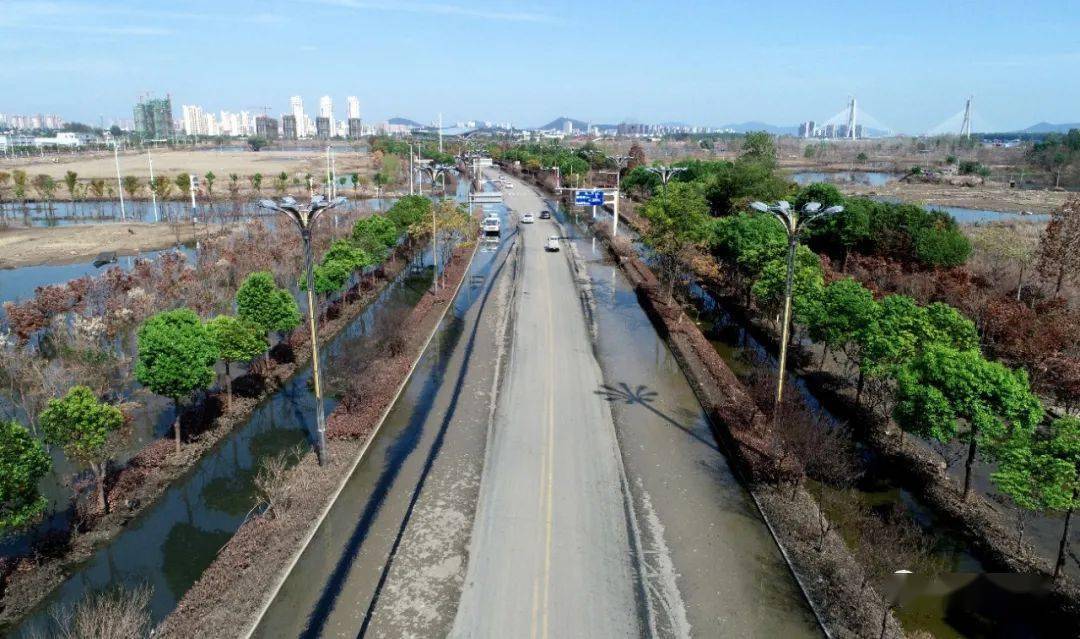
(412, 172)
(153, 193)
(119, 182)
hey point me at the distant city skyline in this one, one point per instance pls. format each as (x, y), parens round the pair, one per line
(773, 61)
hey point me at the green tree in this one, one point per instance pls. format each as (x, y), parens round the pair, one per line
(943, 387)
(1062, 441)
(237, 340)
(256, 143)
(209, 178)
(19, 181)
(162, 187)
(1056, 153)
(941, 246)
(260, 301)
(23, 462)
(256, 182)
(376, 235)
(45, 185)
(748, 241)
(71, 181)
(183, 183)
(808, 285)
(176, 357)
(234, 185)
(87, 429)
(97, 187)
(759, 147)
(678, 218)
(281, 183)
(1033, 479)
(846, 308)
(410, 211)
(132, 185)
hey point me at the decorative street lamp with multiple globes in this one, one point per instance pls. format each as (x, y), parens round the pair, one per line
(794, 223)
(304, 216)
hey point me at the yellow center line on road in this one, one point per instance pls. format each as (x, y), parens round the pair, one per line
(551, 445)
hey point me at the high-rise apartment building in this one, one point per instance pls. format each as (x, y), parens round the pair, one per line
(296, 104)
(353, 104)
(322, 128)
(266, 127)
(356, 129)
(288, 127)
(153, 118)
(326, 110)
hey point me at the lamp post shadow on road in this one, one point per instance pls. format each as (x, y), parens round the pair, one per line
(794, 224)
(304, 216)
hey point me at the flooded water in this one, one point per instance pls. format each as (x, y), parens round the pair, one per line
(171, 543)
(868, 178)
(18, 284)
(971, 611)
(982, 216)
(974, 216)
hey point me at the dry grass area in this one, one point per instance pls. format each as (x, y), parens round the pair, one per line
(993, 196)
(170, 162)
(80, 243)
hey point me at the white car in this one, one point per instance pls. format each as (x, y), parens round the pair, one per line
(491, 225)
(528, 218)
(552, 243)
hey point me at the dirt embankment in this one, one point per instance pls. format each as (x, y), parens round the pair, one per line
(234, 588)
(138, 484)
(81, 243)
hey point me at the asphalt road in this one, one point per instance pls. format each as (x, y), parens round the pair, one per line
(551, 553)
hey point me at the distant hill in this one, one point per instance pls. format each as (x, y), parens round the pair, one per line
(748, 127)
(1047, 127)
(560, 122)
(406, 122)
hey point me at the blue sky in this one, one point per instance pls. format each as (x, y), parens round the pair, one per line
(911, 64)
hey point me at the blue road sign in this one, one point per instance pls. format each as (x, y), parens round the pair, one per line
(589, 198)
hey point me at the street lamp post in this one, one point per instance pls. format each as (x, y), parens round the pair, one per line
(304, 217)
(665, 172)
(620, 163)
(558, 176)
(793, 224)
(435, 170)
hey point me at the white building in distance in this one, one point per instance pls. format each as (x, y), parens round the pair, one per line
(296, 104)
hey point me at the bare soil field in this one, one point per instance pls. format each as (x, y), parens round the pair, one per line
(171, 162)
(78, 243)
(992, 197)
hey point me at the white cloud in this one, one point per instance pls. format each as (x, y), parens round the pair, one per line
(437, 9)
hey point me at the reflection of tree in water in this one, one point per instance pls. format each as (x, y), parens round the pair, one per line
(186, 552)
(232, 494)
(273, 441)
